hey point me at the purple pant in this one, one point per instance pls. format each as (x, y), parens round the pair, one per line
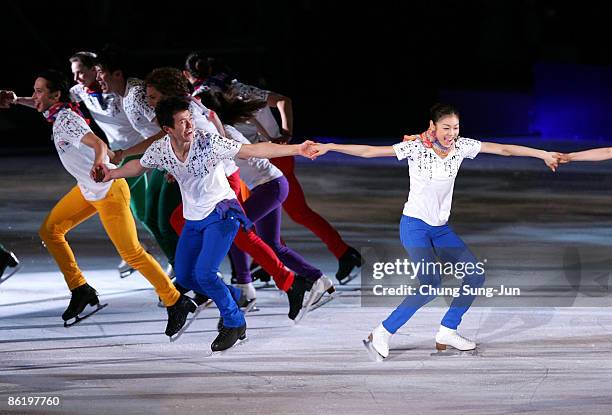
(264, 208)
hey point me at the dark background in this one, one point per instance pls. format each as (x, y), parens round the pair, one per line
(367, 70)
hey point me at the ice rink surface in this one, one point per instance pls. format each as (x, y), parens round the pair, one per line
(554, 359)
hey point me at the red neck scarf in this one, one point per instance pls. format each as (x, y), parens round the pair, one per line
(53, 111)
(93, 88)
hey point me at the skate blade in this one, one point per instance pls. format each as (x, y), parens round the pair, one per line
(238, 343)
(251, 307)
(205, 305)
(374, 355)
(322, 301)
(12, 272)
(202, 306)
(451, 351)
(127, 273)
(78, 319)
(265, 286)
(188, 323)
(348, 279)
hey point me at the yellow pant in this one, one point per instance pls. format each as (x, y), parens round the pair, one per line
(117, 219)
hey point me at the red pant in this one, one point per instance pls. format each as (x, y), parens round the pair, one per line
(298, 210)
(249, 242)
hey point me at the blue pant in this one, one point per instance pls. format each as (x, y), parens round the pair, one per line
(201, 248)
(426, 244)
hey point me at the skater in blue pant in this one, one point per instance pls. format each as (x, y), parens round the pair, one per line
(212, 212)
(434, 158)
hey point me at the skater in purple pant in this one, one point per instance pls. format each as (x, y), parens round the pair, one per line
(269, 189)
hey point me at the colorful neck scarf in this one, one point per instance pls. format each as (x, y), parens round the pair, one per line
(94, 90)
(53, 111)
(198, 83)
(200, 87)
(430, 141)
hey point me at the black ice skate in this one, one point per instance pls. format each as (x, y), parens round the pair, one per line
(347, 263)
(8, 260)
(295, 295)
(243, 304)
(316, 298)
(229, 337)
(260, 274)
(81, 297)
(177, 317)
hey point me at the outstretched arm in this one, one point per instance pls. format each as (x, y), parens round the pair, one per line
(551, 158)
(137, 149)
(9, 97)
(270, 150)
(355, 150)
(132, 168)
(596, 154)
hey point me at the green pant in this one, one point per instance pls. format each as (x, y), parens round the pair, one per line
(138, 190)
(161, 200)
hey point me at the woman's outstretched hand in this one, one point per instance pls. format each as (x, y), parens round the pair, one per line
(320, 149)
(552, 160)
(565, 158)
(308, 149)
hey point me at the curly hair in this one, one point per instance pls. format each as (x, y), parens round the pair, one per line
(168, 81)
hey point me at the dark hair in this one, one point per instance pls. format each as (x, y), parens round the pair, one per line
(168, 81)
(112, 59)
(439, 111)
(87, 59)
(57, 81)
(168, 107)
(230, 110)
(201, 66)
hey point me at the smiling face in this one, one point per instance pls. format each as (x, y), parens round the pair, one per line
(446, 129)
(110, 81)
(42, 96)
(82, 75)
(182, 131)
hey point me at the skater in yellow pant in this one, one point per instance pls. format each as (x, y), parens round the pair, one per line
(83, 153)
(117, 219)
